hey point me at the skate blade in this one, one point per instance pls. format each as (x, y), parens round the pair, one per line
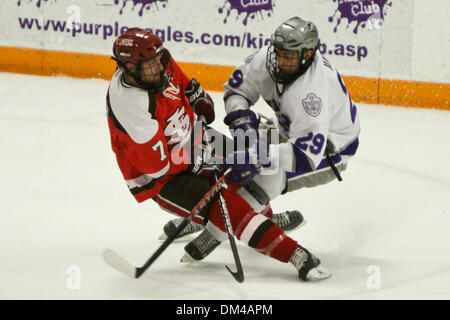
(163, 237)
(187, 258)
(318, 273)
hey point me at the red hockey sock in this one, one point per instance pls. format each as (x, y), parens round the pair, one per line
(268, 212)
(255, 230)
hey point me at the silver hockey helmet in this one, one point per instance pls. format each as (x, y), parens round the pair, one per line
(295, 34)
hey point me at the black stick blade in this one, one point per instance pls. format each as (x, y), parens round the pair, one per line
(238, 275)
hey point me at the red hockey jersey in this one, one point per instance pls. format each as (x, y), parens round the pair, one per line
(150, 133)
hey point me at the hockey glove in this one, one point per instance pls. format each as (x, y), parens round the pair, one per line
(244, 126)
(203, 162)
(242, 122)
(247, 163)
(201, 102)
(244, 167)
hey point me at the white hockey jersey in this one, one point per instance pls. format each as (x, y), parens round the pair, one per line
(313, 112)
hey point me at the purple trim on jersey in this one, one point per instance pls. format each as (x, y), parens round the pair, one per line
(327, 63)
(280, 93)
(324, 163)
(273, 104)
(301, 162)
(350, 150)
(302, 165)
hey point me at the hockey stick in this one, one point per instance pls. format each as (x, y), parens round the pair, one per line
(239, 274)
(115, 261)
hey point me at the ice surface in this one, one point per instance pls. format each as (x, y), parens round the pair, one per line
(63, 201)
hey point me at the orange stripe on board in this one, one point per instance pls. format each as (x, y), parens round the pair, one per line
(212, 77)
(415, 94)
(362, 89)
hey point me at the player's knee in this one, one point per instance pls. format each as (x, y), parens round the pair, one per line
(238, 209)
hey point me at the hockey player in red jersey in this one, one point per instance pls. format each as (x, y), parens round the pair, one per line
(153, 108)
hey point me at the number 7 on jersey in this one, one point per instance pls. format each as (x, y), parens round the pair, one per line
(159, 145)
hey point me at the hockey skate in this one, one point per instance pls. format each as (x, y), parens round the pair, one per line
(308, 266)
(205, 243)
(200, 247)
(288, 221)
(170, 227)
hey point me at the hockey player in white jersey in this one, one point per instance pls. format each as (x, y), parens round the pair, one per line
(314, 114)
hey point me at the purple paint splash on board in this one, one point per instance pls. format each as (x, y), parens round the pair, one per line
(249, 7)
(38, 2)
(145, 4)
(368, 14)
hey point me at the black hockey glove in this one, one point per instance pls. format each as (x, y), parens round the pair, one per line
(200, 101)
(202, 163)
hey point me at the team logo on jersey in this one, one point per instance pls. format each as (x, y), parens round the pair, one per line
(126, 42)
(172, 92)
(312, 104)
(178, 128)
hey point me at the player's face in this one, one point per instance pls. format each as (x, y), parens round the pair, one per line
(151, 70)
(288, 61)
